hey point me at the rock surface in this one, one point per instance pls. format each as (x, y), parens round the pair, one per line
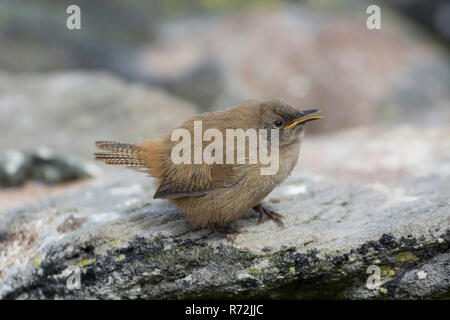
(112, 240)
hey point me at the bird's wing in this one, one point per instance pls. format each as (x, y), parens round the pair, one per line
(199, 180)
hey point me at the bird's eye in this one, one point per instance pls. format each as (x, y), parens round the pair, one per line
(278, 123)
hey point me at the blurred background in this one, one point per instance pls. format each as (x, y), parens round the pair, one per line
(138, 68)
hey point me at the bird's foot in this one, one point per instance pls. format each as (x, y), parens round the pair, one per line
(275, 217)
(227, 232)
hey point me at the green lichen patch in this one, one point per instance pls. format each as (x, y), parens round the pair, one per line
(254, 271)
(86, 262)
(406, 256)
(37, 260)
(292, 270)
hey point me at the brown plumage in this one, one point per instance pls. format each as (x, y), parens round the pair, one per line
(212, 195)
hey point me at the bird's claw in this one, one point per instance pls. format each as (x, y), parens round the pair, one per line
(275, 217)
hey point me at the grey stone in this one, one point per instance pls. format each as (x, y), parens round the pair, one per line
(428, 277)
(50, 168)
(17, 167)
(13, 168)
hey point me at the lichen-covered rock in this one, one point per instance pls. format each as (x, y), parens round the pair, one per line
(113, 240)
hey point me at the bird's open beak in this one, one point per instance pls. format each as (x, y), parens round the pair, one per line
(303, 119)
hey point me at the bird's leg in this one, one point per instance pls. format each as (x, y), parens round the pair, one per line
(275, 217)
(227, 232)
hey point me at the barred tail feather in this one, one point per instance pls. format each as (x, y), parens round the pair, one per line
(119, 154)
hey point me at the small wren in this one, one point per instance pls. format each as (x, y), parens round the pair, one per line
(213, 194)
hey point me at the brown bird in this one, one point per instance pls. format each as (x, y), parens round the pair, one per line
(210, 195)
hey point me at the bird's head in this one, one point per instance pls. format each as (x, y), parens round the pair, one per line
(289, 121)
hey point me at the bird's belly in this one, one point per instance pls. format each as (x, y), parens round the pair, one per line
(228, 204)
(218, 207)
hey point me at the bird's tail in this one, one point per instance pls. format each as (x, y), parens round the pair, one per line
(119, 154)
